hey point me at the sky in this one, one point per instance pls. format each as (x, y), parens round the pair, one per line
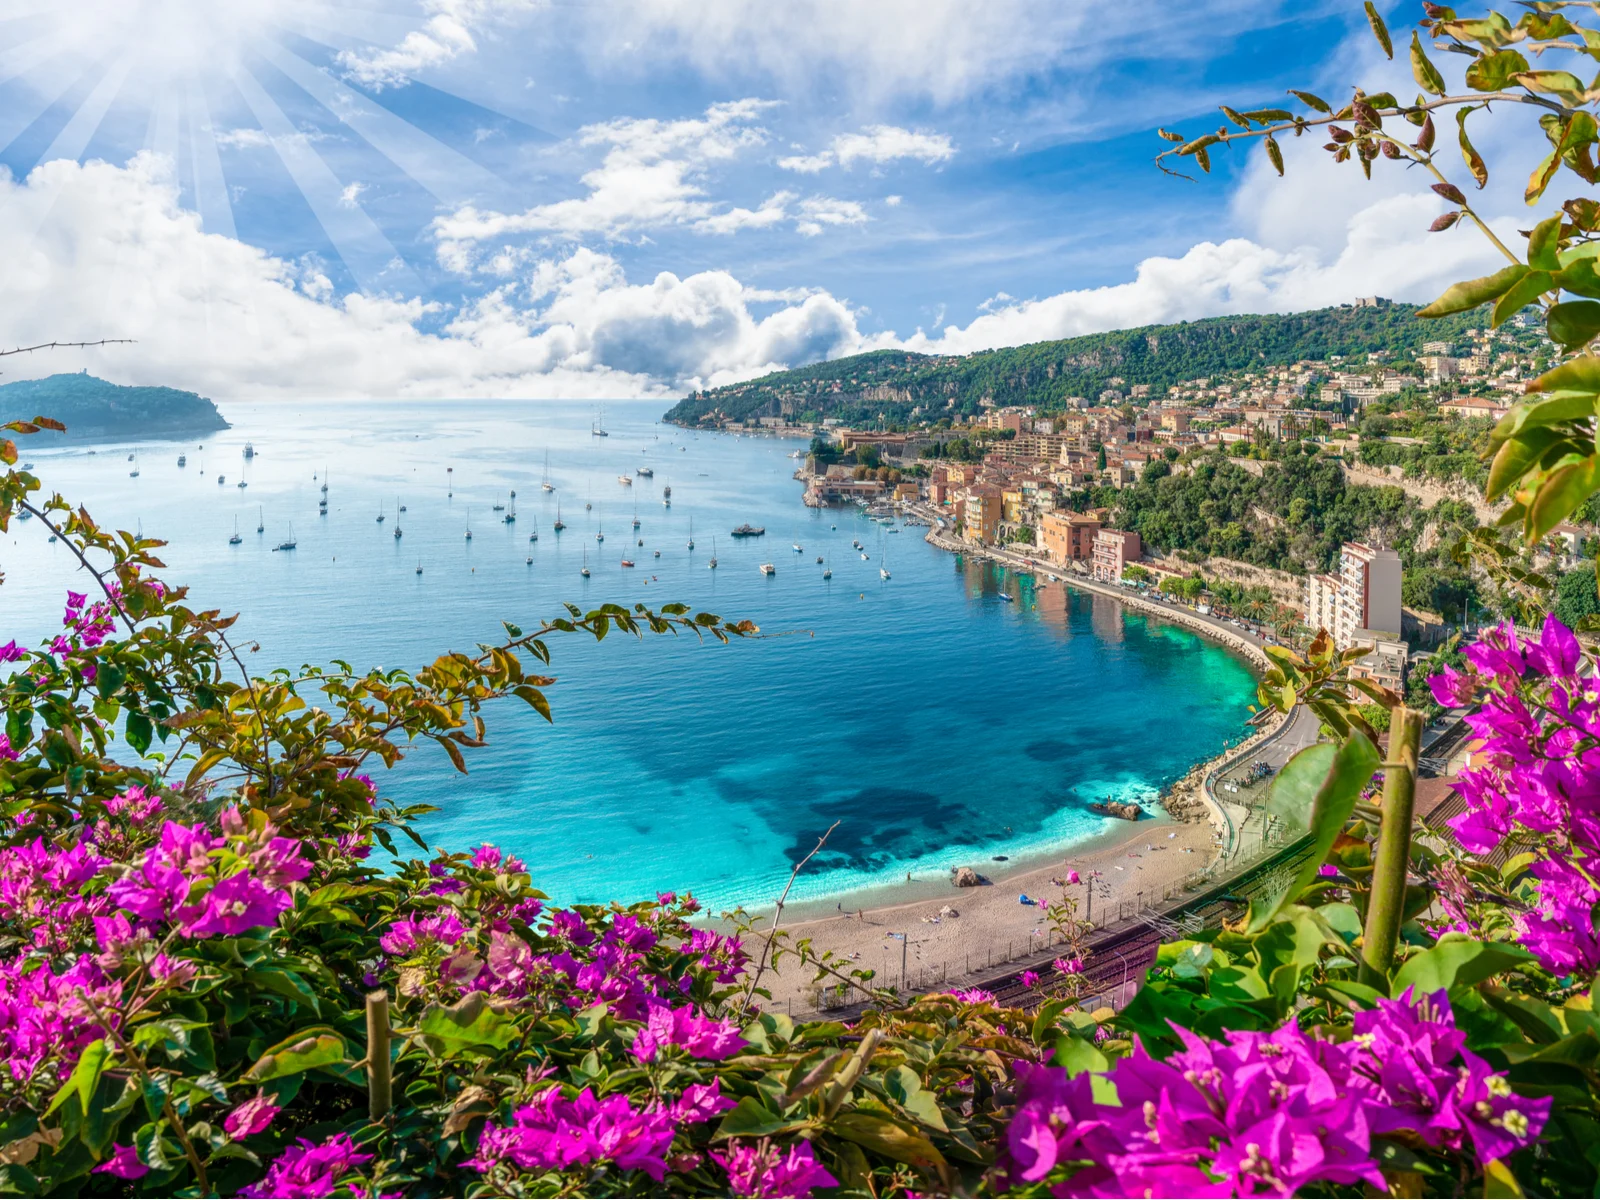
(615, 198)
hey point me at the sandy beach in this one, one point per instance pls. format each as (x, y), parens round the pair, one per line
(1128, 869)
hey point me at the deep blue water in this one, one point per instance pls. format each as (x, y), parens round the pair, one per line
(936, 722)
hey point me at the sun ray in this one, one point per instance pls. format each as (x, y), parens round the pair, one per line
(367, 253)
(75, 134)
(45, 83)
(210, 184)
(448, 175)
(161, 136)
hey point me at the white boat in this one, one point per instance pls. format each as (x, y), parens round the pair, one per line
(768, 569)
(598, 429)
(691, 533)
(380, 514)
(560, 524)
(585, 571)
(625, 480)
(827, 574)
(1007, 597)
(883, 572)
(865, 557)
(646, 472)
(534, 536)
(545, 483)
(713, 563)
(235, 539)
(288, 543)
(511, 515)
(261, 519)
(183, 461)
(249, 450)
(469, 524)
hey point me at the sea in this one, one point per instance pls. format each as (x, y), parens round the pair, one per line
(955, 713)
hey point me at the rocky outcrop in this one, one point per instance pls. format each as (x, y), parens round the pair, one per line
(965, 877)
(1118, 809)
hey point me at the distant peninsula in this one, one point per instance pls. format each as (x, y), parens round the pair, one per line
(94, 410)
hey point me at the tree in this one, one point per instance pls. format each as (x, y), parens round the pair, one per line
(1576, 597)
(1134, 573)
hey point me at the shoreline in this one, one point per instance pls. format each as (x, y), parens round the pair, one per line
(1170, 856)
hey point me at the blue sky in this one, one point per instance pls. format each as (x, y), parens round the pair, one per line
(540, 197)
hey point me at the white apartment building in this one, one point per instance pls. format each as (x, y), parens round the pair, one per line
(1363, 598)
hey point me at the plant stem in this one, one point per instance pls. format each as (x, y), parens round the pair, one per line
(378, 1079)
(761, 965)
(1387, 905)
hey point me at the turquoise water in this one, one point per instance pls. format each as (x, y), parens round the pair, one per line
(934, 721)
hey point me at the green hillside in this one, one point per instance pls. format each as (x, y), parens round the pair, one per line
(94, 410)
(891, 383)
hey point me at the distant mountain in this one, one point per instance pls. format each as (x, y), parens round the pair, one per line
(96, 411)
(891, 383)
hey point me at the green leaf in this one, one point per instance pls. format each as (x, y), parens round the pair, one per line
(285, 983)
(1559, 495)
(1460, 297)
(297, 1055)
(1457, 963)
(1425, 73)
(1317, 790)
(751, 1118)
(1521, 294)
(1581, 374)
(1311, 101)
(1564, 85)
(85, 1076)
(1579, 276)
(1493, 72)
(1077, 1055)
(470, 1021)
(1573, 323)
(1544, 245)
(1469, 154)
(1379, 29)
(886, 1137)
(1045, 1022)
(906, 1090)
(139, 731)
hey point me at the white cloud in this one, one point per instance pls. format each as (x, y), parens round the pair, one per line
(242, 139)
(96, 250)
(892, 201)
(351, 194)
(652, 176)
(449, 32)
(874, 144)
(817, 211)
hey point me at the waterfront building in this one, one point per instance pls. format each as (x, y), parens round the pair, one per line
(1113, 550)
(980, 515)
(1068, 537)
(1361, 602)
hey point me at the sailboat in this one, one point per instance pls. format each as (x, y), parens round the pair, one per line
(534, 536)
(324, 481)
(691, 533)
(511, 514)
(585, 571)
(666, 496)
(545, 483)
(419, 566)
(598, 429)
(288, 543)
(183, 460)
(713, 563)
(600, 532)
(380, 513)
(560, 524)
(235, 539)
(636, 513)
(498, 507)
(134, 474)
(398, 509)
(883, 569)
(449, 482)
(469, 524)
(249, 450)
(261, 519)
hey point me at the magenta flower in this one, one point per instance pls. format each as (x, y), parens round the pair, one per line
(492, 858)
(554, 1133)
(972, 996)
(764, 1169)
(251, 1116)
(1030, 979)
(700, 1037)
(409, 935)
(239, 903)
(701, 1102)
(1074, 877)
(11, 652)
(1068, 966)
(723, 956)
(309, 1169)
(43, 1015)
(135, 803)
(7, 754)
(124, 1163)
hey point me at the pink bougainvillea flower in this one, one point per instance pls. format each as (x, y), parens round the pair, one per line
(765, 1169)
(124, 1163)
(309, 1169)
(251, 1116)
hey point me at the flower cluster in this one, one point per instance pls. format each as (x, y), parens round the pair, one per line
(764, 1169)
(556, 1133)
(700, 1037)
(1271, 1113)
(208, 884)
(40, 887)
(50, 1014)
(1538, 718)
(310, 1169)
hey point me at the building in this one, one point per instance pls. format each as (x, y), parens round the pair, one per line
(1474, 406)
(1369, 593)
(1385, 665)
(1322, 603)
(980, 514)
(1113, 550)
(1068, 537)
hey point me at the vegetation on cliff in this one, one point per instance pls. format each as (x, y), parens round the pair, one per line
(95, 410)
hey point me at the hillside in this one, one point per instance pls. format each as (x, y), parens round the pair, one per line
(94, 410)
(891, 383)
